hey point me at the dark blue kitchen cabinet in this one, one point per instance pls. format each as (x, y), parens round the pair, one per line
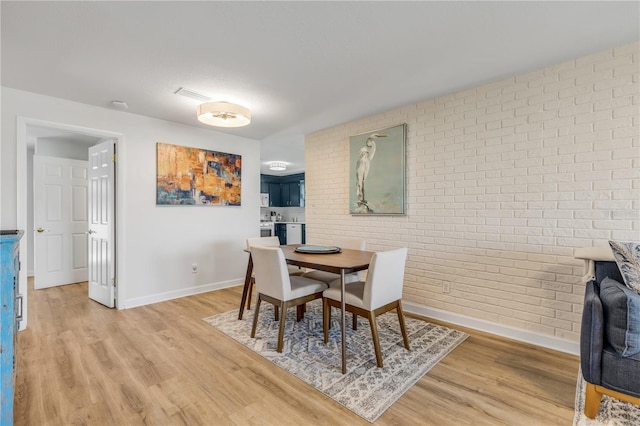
(272, 185)
(293, 190)
(285, 194)
(281, 233)
(284, 191)
(291, 194)
(10, 316)
(275, 195)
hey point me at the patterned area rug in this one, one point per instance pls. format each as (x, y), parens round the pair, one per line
(366, 389)
(612, 412)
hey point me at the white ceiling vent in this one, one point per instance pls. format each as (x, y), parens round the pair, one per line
(192, 94)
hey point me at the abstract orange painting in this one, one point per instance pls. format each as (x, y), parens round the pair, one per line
(194, 176)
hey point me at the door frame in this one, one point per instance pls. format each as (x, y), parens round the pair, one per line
(21, 198)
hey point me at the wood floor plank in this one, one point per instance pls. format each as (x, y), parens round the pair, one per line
(81, 363)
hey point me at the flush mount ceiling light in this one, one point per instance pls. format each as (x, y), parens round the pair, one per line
(278, 166)
(223, 114)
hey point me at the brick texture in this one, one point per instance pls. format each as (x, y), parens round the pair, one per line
(503, 182)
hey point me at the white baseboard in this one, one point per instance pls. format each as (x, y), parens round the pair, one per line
(169, 295)
(537, 339)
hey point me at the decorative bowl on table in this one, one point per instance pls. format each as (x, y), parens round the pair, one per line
(306, 249)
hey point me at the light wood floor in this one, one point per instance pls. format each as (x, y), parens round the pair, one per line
(81, 363)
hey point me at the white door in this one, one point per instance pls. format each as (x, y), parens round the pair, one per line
(60, 219)
(101, 223)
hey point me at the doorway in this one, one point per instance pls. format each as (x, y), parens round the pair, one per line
(78, 139)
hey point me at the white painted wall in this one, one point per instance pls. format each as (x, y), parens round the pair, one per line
(157, 244)
(504, 181)
(56, 147)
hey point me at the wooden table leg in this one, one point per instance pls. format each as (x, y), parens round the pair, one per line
(245, 290)
(342, 327)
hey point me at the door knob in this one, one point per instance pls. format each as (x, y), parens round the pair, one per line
(91, 232)
(40, 230)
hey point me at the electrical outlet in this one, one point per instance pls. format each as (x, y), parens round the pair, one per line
(194, 268)
(446, 287)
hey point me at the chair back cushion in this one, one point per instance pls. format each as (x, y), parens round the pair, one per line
(385, 278)
(263, 242)
(621, 308)
(272, 275)
(351, 243)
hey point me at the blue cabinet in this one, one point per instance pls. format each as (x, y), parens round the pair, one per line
(10, 316)
(281, 233)
(275, 197)
(284, 191)
(293, 190)
(272, 185)
(291, 194)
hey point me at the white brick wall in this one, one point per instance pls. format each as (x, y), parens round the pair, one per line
(503, 182)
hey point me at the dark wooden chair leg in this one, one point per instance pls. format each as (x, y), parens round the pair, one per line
(299, 312)
(374, 335)
(255, 317)
(355, 321)
(283, 314)
(403, 329)
(245, 287)
(251, 284)
(276, 315)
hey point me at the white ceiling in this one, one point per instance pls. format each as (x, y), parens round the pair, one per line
(299, 66)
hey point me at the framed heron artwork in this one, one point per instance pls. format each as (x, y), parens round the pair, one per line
(377, 172)
(194, 176)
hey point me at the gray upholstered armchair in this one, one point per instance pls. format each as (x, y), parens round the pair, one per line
(605, 367)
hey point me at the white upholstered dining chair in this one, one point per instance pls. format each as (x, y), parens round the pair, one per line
(381, 292)
(266, 242)
(276, 286)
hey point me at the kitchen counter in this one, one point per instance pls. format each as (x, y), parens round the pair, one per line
(281, 221)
